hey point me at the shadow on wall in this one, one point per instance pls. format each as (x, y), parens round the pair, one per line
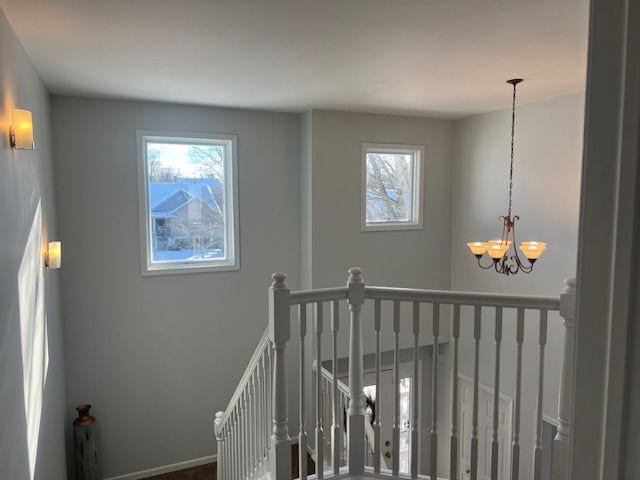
(27, 328)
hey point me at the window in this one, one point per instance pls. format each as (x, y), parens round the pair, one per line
(188, 202)
(392, 187)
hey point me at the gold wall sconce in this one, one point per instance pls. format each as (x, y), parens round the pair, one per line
(21, 130)
(53, 255)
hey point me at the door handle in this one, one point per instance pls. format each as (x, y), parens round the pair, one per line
(468, 471)
(387, 454)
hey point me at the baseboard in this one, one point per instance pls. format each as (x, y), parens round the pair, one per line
(174, 467)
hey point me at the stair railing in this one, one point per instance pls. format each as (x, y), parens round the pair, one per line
(337, 411)
(243, 430)
(467, 307)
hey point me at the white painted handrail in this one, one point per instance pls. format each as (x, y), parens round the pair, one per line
(263, 345)
(243, 429)
(451, 297)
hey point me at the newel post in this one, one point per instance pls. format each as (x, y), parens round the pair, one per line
(355, 430)
(220, 451)
(279, 333)
(560, 468)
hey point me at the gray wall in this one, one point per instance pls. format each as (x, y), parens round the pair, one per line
(546, 196)
(416, 258)
(29, 294)
(158, 355)
(337, 240)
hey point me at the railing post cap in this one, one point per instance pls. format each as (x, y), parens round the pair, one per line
(570, 284)
(219, 416)
(279, 280)
(355, 275)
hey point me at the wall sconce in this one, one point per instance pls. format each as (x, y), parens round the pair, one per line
(53, 256)
(21, 131)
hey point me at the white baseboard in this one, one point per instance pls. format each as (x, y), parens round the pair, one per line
(174, 467)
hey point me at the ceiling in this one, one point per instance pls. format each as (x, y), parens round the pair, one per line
(420, 57)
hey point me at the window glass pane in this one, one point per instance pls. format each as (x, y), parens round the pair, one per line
(186, 188)
(389, 187)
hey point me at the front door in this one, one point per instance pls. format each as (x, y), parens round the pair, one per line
(384, 408)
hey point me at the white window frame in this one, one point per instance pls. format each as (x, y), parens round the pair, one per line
(232, 221)
(415, 222)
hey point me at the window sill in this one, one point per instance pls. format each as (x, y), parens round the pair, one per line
(382, 227)
(151, 271)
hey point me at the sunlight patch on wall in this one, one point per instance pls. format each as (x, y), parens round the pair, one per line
(33, 333)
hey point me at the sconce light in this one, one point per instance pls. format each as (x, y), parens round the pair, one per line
(53, 257)
(21, 131)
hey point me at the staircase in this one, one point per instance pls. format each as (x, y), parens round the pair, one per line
(253, 432)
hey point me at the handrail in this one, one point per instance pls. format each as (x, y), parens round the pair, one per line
(327, 375)
(344, 388)
(452, 297)
(318, 295)
(257, 353)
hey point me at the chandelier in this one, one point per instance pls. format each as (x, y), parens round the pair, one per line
(498, 250)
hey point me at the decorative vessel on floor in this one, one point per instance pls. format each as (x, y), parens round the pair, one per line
(84, 444)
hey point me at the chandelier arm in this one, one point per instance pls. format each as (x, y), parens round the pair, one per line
(481, 266)
(522, 267)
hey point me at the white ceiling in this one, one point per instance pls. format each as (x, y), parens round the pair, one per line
(437, 57)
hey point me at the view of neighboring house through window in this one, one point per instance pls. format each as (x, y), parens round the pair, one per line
(392, 187)
(188, 203)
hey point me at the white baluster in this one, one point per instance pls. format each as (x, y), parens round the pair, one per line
(395, 455)
(319, 433)
(249, 429)
(376, 424)
(496, 396)
(356, 404)
(453, 460)
(263, 402)
(254, 423)
(270, 398)
(434, 392)
(515, 447)
(561, 443)
(414, 391)
(266, 413)
(302, 436)
(476, 382)
(279, 325)
(243, 433)
(220, 440)
(236, 441)
(225, 459)
(537, 453)
(335, 428)
(258, 418)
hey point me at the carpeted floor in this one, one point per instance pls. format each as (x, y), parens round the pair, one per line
(208, 472)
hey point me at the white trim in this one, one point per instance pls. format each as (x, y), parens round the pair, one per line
(486, 388)
(509, 431)
(174, 467)
(416, 223)
(232, 262)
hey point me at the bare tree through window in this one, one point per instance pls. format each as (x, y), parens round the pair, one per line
(391, 186)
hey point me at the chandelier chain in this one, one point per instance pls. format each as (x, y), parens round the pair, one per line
(513, 129)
